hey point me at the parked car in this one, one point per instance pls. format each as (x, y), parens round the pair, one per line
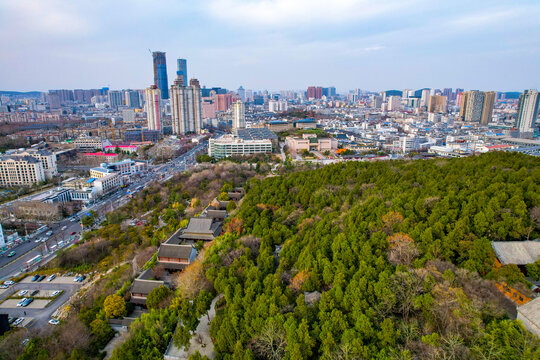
(11, 254)
(54, 322)
(9, 282)
(49, 233)
(23, 292)
(27, 302)
(73, 233)
(11, 319)
(64, 227)
(3, 286)
(34, 292)
(41, 278)
(80, 278)
(18, 321)
(20, 303)
(56, 292)
(35, 277)
(51, 278)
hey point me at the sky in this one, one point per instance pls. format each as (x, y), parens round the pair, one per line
(272, 44)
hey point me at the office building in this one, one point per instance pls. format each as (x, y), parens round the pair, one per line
(160, 73)
(487, 108)
(181, 73)
(528, 110)
(114, 98)
(153, 108)
(229, 145)
(424, 98)
(21, 171)
(238, 115)
(186, 107)
(437, 103)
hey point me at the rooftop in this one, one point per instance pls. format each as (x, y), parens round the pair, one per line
(516, 252)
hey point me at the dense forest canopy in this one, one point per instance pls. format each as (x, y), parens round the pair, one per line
(383, 260)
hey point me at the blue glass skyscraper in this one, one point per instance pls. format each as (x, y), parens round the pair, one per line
(160, 73)
(182, 72)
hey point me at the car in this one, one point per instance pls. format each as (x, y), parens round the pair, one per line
(41, 278)
(73, 233)
(38, 240)
(56, 292)
(3, 286)
(20, 303)
(49, 233)
(9, 282)
(11, 254)
(27, 302)
(18, 321)
(64, 227)
(80, 278)
(34, 292)
(54, 322)
(35, 277)
(51, 278)
(11, 319)
(23, 292)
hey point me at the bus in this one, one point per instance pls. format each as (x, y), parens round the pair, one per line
(33, 261)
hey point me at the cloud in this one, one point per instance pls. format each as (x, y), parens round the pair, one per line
(41, 18)
(291, 13)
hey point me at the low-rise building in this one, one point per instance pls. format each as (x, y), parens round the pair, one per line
(109, 157)
(310, 142)
(201, 229)
(47, 158)
(89, 143)
(21, 171)
(142, 286)
(107, 183)
(229, 145)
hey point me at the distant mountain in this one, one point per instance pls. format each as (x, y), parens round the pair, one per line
(19, 93)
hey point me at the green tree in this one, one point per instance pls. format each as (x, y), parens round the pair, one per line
(114, 306)
(157, 296)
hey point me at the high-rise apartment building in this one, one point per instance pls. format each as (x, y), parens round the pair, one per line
(528, 110)
(153, 108)
(238, 115)
(223, 101)
(472, 104)
(314, 92)
(437, 104)
(424, 99)
(487, 108)
(186, 107)
(181, 73)
(160, 73)
(241, 94)
(114, 98)
(448, 93)
(132, 99)
(394, 103)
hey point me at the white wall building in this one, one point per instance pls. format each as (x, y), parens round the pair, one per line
(153, 108)
(238, 115)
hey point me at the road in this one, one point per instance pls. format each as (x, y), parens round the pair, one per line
(29, 249)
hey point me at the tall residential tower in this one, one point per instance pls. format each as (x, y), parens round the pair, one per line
(186, 107)
(238, 115)
(153, 108)
(528, 110)
(181, 73)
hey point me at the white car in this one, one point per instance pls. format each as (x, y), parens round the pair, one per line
(64, 228)
(56, 292)
(54, 322)
(51, 278)
(23, 292)
(9, 282)
(18, 321)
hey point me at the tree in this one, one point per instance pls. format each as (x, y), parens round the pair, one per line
(157, 296)
(231, 206)
(223, 196)
(115, 306)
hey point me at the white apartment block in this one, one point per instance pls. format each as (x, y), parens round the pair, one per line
(47, 158)
(89, 143)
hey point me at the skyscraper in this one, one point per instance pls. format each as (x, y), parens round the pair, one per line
(153, 108)
(186, 107)
(424, 100)
(238, 115)
(314, 92)
(487, 108)
(160, 73)
(528, 110)
(241, 93)
(132, 99)
(181, 73)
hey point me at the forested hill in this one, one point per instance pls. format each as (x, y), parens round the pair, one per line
(384, 260)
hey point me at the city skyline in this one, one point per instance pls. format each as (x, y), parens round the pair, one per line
(272, 44)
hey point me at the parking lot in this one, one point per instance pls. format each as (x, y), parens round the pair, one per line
(44, 305)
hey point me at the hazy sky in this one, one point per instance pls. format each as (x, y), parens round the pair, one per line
(272, 44)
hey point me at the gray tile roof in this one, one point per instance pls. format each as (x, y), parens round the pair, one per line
(175, 251)
(516, 252)
(144, 286)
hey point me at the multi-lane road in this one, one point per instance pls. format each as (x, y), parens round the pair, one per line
(29, 249)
